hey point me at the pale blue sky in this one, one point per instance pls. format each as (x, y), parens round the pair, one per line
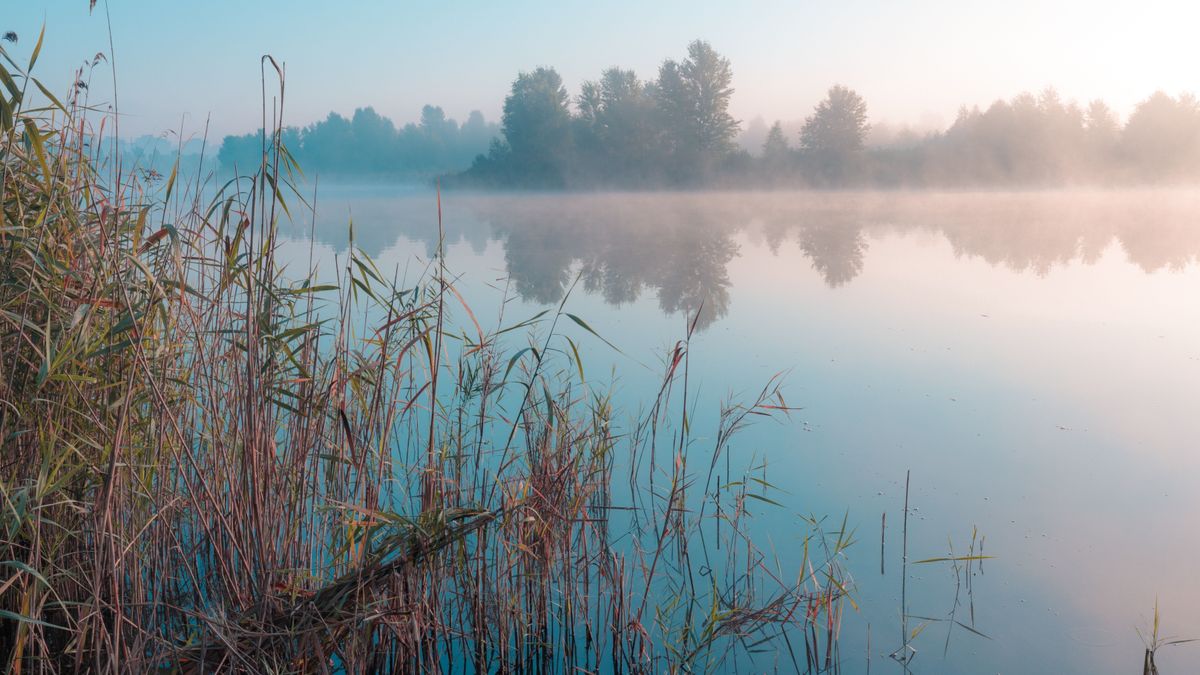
(914, 62)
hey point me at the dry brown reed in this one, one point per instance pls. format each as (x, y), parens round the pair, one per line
(213, 465)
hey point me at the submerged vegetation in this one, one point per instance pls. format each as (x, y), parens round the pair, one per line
(211, 464)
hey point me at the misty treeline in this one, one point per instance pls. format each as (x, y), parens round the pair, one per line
(1041, 140)
(676, 130)
(624, 132)
(369, 144)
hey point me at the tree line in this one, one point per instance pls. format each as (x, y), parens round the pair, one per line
(369, 144)
(1035, 140)
(675, 130)
(624, 132)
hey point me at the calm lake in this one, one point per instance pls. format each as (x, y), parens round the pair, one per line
(1033, 359)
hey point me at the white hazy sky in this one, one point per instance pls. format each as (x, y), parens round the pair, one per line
(914, 62)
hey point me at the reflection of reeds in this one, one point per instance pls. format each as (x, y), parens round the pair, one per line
(964, 567)
(207, 466)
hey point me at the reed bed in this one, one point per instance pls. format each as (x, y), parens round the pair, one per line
(213, 463)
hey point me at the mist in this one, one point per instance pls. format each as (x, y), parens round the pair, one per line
(674, 129)
(608, 338)
(678, 247)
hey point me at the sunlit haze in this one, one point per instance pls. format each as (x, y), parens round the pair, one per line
(823, 337)
(914, 63)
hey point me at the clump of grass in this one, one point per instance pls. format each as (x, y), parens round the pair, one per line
(212, 465)
(1154, 642)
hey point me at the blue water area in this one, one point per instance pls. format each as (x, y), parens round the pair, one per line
(1031, 361)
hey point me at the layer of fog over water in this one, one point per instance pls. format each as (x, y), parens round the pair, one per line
(1033, 359)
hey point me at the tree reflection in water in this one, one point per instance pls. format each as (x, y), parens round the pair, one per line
(679, 245)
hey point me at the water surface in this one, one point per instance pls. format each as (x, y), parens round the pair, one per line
(1033, 359)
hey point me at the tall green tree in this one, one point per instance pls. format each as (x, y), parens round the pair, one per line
(838, 123)
(692, 99)
(589, 102)
(374, 140)
(330, 143)
(832, 137)
(710, 79)
(617, 114)
(537, 128)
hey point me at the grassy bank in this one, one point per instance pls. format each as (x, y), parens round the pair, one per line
(211, 463)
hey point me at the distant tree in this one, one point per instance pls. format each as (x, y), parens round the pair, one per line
(692, 99)
(673, 116)
(752, 135)
(474, 136)
(434, 122)
(436, 136)
(1101, 121)
(1028, 140)
(589, 102)
(621, 125)
(537, 127)
(1056, 140)
(832, 137)
(775, 149)
(589, 149)
(476, 126)
(1014, 131)
(710, 79)
(369, 144)
(373, 147)
(1102, 133)
(329, 144)
(243, 153)
(1162, 137)
(617, 88)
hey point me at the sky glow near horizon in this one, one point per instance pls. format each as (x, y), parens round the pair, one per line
(914, 64)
